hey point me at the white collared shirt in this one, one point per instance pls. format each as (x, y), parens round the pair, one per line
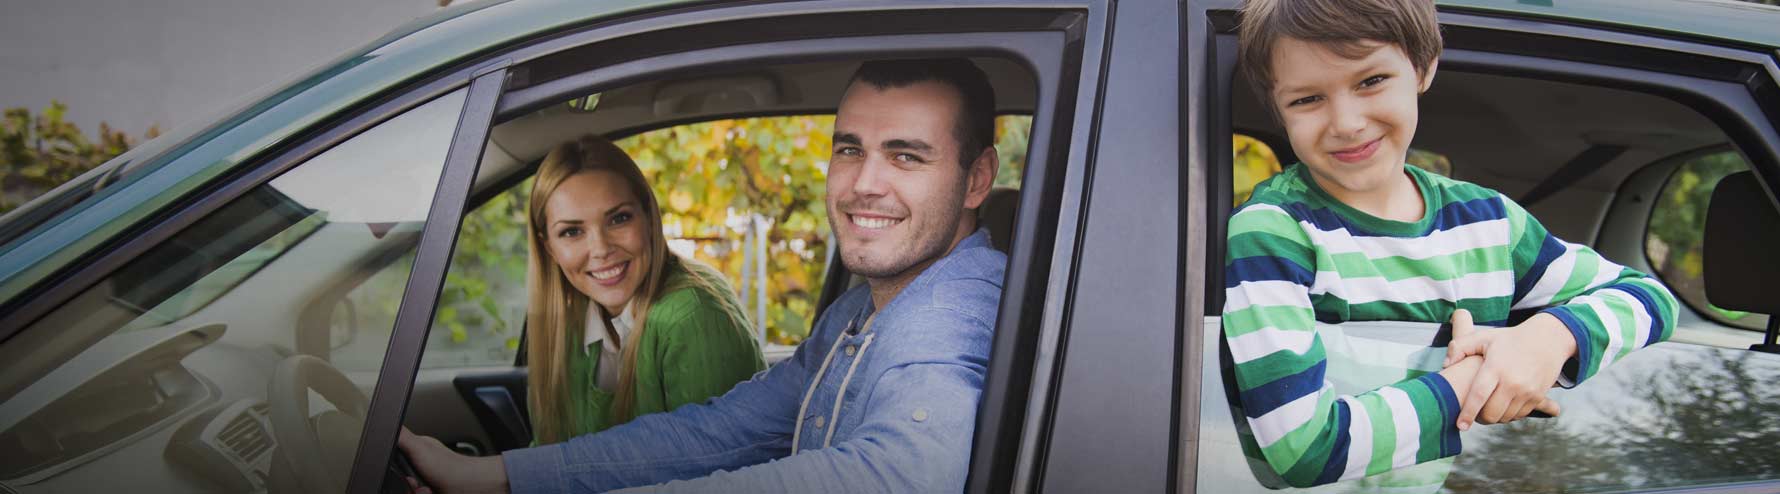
(611, 355)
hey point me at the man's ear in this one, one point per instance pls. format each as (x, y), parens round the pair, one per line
(1428, 78)
(981, 177)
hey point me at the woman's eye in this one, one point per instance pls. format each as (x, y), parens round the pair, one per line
(621, 218)
(569, 233)
(1304, 100)
(1373, 81)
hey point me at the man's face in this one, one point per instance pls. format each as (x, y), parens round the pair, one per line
(896, 191)
(1349, 120)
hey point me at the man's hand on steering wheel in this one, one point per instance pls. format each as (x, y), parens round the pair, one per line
(449, 472)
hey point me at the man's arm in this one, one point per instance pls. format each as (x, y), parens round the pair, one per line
(1609, 309)
(752, 423)
(915, 435)
(1308, 434)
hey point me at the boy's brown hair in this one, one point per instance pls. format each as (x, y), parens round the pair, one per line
(1341, 25)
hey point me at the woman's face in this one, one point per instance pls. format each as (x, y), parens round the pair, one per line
(596, 232)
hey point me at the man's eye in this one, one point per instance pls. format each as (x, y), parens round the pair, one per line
(621, 218)
(1374, 80)
(1304, 101)
(851, 152)
(909, 158)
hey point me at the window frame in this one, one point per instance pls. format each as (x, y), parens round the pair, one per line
(1497, 44)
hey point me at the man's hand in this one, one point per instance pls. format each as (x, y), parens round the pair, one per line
(449, 472)
(1520, 364)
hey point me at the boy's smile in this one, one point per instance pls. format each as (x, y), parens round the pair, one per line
(1351, 119)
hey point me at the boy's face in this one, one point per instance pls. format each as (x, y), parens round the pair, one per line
(1349, 120)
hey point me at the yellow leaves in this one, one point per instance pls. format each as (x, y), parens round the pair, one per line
(1253, 163)
(680, 200)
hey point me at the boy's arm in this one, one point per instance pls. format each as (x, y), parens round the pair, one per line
(1307, 433)
(1609, 309)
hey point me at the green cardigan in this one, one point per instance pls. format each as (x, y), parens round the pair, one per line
(692, 351)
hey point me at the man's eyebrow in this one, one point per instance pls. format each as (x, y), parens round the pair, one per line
(909, 144)
(847, 138)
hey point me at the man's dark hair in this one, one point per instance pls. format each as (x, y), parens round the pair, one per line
(975, 128)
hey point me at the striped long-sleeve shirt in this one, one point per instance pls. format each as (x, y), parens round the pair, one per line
(1298, 257)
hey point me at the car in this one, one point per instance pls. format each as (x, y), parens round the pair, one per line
(259, 304)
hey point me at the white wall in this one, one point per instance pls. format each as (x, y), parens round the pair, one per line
(135, 63)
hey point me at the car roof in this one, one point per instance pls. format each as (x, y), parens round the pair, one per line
(1733, 21)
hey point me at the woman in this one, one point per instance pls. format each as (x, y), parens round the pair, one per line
(617, 326)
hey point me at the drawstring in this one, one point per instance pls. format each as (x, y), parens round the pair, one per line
(797, 433)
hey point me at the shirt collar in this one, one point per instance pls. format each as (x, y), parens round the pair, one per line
(595, 332)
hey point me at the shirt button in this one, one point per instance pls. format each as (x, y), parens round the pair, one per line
(852, 350)
(819, 420)
(920, 415)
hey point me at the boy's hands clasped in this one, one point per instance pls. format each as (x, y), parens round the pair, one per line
(1519, 364)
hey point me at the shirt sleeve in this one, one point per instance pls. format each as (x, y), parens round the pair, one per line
(914, 436)
(1308, 434)
(750, 424)
(1610, 309)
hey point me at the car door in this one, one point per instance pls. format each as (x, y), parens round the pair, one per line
(1641, 423)
(702, 55)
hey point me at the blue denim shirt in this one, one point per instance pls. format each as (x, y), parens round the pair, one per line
(888, 407)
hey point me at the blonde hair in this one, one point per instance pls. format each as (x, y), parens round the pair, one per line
(556, 313)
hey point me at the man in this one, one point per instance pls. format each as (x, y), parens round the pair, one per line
(883, 395)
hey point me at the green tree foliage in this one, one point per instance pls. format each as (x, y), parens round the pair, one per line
(1678, 225)
(43, 150)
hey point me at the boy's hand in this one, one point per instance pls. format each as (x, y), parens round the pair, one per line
(1520, 364)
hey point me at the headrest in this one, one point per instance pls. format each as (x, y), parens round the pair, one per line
(997, 214)
(1742, 233)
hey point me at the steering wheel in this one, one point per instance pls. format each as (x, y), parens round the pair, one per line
(319, 451)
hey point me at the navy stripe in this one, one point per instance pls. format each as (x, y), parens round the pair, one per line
(1337, 462)
(1549, 250)
(1446, 218)
(1650, 307)
(1577, 366)
(1449, 409)
(1257, 402)
(1463, 213)
(1266, 268)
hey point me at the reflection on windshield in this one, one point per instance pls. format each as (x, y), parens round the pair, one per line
(218, 282)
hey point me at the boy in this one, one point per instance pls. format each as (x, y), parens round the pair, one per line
(1352, 234)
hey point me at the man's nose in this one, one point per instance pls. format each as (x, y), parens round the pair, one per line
(872, 179)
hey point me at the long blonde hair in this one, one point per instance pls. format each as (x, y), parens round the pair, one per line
(556, 313)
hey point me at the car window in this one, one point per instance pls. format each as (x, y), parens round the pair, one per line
(192, 354)
(1641, 423)
(1678, 223)
(708, 213)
